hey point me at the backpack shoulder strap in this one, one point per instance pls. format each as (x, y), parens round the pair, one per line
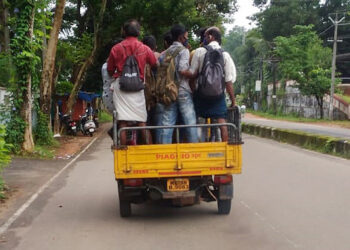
(126, 53)
(208, 48)
(177, 51)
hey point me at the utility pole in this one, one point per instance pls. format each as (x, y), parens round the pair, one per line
(335, 41)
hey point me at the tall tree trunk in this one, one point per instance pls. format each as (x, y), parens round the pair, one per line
(26, 111)
(49, 62)
(78, 81)
(5, 32)
(56, 125)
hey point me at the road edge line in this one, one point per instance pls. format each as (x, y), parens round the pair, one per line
(14, 217)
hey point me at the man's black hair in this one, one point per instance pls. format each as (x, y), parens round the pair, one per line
(215, 32)
(150, 41)
(201, 33)
(131, 28)
(168, 38)
(177, 30)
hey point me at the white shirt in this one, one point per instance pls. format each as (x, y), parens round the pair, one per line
(229, 66)
(107, 94)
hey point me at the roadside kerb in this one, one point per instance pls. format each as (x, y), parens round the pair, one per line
(324, 144)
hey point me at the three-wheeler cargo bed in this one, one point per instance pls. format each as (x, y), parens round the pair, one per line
(176, 160)
(184, 173)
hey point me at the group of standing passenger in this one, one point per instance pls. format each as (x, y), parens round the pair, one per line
(184, 102)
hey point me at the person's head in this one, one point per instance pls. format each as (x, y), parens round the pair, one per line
(131, 28)
(168, 40)
(179, 34)
(201, 33)
(212, 34)
(150, 41)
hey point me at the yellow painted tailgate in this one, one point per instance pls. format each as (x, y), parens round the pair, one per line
(169, 160)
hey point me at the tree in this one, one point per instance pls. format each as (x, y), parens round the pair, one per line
(248, 50)
(326, 30)
(305, 60)
(279, 16)
(46, 82)
(164, 13)
(24, 57)
(4, 30)
(78, 80)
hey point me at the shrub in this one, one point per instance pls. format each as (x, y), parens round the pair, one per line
(5, 158)
(42, 133)
(15, 133)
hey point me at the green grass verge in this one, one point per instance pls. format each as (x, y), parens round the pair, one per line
(293, 118)
(105, 117)
(42, 151)
(5, 159)
(324, 144)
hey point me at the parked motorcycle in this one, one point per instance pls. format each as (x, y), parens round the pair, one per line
(87, 124)
(69, 124)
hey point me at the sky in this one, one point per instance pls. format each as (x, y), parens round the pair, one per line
(245, 9)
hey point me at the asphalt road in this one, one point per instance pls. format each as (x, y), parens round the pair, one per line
(286, 198)
(309, 128)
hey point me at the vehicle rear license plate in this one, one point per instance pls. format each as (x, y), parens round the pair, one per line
(91, 130)
(178, 184)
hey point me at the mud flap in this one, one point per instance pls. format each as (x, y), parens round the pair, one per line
(226, 191)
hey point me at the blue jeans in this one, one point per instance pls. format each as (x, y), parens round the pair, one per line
(157, 119)
(184, 106)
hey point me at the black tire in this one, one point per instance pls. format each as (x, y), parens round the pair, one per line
(74, 133)
(91, 134)
(124, 208)
(224, 206)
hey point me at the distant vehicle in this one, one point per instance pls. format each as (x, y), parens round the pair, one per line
(69, 124)
(87, 123)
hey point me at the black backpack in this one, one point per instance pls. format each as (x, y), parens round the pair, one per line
(211, 80)
(130, 80)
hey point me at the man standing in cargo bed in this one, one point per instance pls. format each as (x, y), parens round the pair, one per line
(130, 106)
(211, 103)
(184, 104)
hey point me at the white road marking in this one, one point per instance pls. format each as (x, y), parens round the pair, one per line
(20, 211)
(272, 227)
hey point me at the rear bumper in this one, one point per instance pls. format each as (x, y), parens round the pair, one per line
(156, 189)
(175, 195)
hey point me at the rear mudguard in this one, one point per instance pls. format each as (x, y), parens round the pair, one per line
(226, 191)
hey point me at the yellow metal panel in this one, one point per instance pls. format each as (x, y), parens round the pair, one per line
(169, 160)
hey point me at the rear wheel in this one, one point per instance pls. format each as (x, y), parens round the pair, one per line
(224, 206)
(124, 208)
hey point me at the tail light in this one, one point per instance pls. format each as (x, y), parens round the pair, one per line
(72, 123)
(133, 182)
(222, 179)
